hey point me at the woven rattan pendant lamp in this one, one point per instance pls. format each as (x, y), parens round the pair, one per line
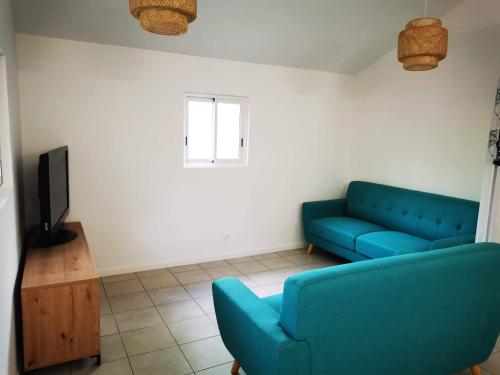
(423, 43)
(165, 17)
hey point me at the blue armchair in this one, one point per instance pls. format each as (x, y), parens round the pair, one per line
(433, 313)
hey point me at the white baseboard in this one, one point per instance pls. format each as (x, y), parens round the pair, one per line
(193, 260)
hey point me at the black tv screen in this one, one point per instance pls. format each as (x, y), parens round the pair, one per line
(53, 187)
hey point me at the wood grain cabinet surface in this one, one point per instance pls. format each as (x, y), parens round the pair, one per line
(60, 303)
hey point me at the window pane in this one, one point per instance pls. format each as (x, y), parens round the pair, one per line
(228, 131)
(200, 130)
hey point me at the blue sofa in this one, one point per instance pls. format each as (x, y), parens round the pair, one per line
(375, 221)
(433, 313)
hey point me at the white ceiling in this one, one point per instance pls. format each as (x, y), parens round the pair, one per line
(342, 36)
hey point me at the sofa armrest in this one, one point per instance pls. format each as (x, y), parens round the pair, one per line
(452, 241)
(252, 333)
(319, 209)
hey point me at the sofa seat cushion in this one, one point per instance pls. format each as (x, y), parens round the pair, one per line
(389, 243)
(274, 301)
(342, 230)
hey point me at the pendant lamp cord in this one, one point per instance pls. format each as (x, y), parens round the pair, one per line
(425, 9)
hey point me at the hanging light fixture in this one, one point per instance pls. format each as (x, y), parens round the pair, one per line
(165, 17)
(423, 43)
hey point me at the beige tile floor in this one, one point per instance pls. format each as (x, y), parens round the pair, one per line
(162, 322)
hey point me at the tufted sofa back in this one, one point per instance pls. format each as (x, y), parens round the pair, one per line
(398, 315)
(425, 215)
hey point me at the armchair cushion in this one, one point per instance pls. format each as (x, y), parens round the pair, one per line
(274, 301)
(342, 230)
(389, 243)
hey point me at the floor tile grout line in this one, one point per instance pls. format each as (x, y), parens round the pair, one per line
(159, 305)
(132, 309)
(177, 343)
(118, 332)
(210, 337)
(180, 283)
(152, 351)
(175, 301)
(204, 314)
(72, 362)
(116, 281)
(104, 290)
(175, 340)
(208, 368)
(123, 343)
(188, 292)
(137, 329)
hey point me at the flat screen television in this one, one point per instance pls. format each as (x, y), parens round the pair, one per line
(53, 194)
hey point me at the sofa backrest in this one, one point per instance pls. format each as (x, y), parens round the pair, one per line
(426, 215)
(434, 312)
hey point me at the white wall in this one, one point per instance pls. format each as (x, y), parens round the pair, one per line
(428, 130)
(10, 233)
(120, 110)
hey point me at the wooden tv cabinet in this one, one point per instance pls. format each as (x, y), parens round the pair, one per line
(60, 303)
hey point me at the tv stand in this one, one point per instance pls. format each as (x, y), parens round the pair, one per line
(60, 237)
(60, 303)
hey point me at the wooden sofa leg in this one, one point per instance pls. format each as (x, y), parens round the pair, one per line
(235, 368)
(475, 370)
(310, 248)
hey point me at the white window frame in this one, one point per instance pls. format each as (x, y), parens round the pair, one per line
(242, 160)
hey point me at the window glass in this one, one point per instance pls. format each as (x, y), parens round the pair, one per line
(228, 131)
(200, 130)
